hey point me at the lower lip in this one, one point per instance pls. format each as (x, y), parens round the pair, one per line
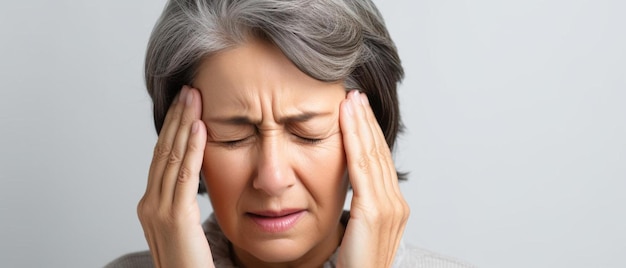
(277, 224)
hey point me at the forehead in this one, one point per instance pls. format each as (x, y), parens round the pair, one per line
(257, 74)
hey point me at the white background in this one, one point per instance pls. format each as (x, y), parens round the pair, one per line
(515, 115)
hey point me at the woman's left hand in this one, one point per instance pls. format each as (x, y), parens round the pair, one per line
(378, 213)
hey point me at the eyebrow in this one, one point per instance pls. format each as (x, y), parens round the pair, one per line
(245, 120)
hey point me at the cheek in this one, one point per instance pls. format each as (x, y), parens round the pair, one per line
(225, 177)
(322, 171)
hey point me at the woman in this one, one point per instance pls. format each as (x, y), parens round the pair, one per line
(280, 106)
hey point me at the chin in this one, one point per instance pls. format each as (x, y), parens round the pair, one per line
(277, 251)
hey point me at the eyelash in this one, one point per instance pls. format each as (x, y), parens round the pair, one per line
(236, 143)
(308, 140)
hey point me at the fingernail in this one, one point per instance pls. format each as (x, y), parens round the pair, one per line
(188, 98)
(182, 94)
(355, 94)
(348, 105)
(194, 127)
(365, 99)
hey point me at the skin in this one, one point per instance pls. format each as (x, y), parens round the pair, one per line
(268, 137)
(274, 143)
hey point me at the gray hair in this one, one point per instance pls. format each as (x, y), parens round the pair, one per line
(329, 40)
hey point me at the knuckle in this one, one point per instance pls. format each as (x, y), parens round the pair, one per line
(407, 213)
(363, 162)
(174, 157)
(184, 175)
(403, 210)
(185, 120)
(140, 208)
(374, 152)
(383, 150)
(162, 150)
(144, 210)
(379, 152)
(152, 215)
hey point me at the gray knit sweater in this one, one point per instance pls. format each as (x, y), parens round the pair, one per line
(406, 256)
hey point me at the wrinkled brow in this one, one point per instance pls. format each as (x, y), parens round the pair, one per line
(245, 120)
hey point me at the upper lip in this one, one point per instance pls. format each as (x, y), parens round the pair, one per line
(276, 213)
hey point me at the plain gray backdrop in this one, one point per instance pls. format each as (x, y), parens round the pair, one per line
(515, 114)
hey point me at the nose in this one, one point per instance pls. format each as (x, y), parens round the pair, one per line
(274, 173)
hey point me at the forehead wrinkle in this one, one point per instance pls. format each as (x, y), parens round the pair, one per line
(290, 101)
(266, 86)
(242, 111)
(232, 107)
(228, 111)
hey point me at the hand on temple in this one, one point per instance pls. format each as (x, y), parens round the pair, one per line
(378, 213)
(169, 211)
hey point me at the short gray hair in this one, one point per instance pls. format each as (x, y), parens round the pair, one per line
(329, 40)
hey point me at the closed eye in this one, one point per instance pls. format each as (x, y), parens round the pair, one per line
(232, 144)
(308, 140)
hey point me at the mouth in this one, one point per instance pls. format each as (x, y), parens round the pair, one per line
(276, 221)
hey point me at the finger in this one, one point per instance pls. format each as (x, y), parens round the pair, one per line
(164, 146)
(369, 164)
(356, 134)
(398, 209)
(389, 178)
(191, 112)
(379, 150)
(188, 177)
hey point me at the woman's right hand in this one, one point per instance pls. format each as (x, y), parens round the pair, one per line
(168, 211)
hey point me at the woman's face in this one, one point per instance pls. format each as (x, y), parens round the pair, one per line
(274, 164)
